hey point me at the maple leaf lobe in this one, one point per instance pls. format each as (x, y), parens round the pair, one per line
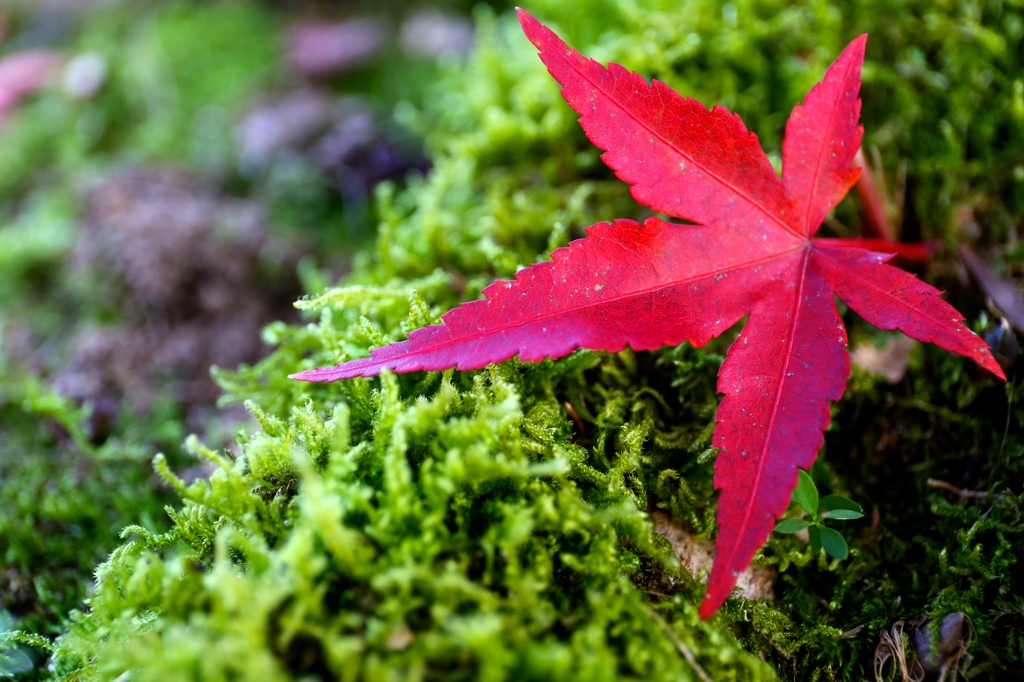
(890, 298)
(822, 139)
(644, 286)
(679, 157)
(772, 418)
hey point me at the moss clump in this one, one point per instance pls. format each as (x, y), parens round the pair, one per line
(402, 537)
(61, 515)
(492, 524)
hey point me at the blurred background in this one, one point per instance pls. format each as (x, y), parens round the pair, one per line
(175, 174)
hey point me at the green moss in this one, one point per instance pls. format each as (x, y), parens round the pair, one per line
(493, 524)
(399, 537)
(63, 501)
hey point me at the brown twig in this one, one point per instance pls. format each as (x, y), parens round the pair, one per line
(962, 492)
(683, 649)
(1006, 295)
(893, 645)
(575, 416)
(873, 202)
(899, 198)
(853, 631)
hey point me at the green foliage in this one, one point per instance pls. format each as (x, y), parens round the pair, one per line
(806, 493)
(63, 500)
(819, 535)
(493, 524)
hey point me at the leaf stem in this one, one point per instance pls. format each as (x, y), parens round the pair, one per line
(918, 252)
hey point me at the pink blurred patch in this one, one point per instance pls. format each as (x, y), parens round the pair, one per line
(22, 74)
(320, 49)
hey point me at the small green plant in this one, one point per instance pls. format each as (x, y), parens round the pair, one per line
(834, 507)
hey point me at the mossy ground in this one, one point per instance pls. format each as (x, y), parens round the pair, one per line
(493, 524)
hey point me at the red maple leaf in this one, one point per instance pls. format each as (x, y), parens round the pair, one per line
(751, 253)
